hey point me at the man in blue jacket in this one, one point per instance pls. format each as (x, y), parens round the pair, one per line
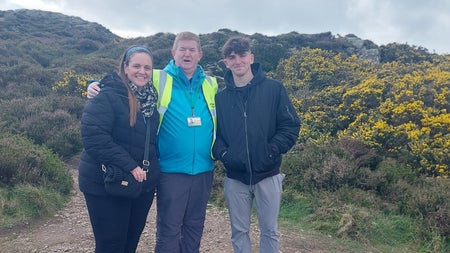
(256, 125)
(186, 135)
(185, 138)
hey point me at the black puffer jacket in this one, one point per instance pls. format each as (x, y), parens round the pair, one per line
(109, 139)
(255, 125)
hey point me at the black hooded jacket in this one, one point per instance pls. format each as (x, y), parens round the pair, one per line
(108, 137)
(256, 124)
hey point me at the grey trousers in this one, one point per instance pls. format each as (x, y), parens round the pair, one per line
(181, 202)
(267, 196)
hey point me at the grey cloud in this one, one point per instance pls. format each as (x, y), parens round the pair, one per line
(416, 22)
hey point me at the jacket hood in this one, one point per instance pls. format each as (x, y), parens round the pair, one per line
(258, 76)
(177, 72)
(112, 80)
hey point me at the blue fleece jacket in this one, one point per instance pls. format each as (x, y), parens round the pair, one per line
(182, 148)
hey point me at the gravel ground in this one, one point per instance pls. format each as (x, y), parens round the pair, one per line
(70, 231)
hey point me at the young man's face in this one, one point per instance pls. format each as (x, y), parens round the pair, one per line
(187, 55)
(239, 64)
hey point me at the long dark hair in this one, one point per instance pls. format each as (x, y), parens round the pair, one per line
(124, 61)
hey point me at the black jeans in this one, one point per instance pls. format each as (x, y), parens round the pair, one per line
(117, 223)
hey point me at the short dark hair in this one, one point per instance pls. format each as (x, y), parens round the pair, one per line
(237, 44)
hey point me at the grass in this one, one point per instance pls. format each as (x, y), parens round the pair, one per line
(351, 228)
(23, 203)
(34, 182)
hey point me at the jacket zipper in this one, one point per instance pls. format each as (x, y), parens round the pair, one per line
(249, 167)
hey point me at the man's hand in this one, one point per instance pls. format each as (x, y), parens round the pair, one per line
(93, 89)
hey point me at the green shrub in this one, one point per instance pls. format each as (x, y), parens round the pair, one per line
(331, 165)
(22, 162)
(217, 196)
(294, 206)
(41, 126)
(66, 142)
(33, 181)
(22, 203)
(52, 121)
(74, 105)
(355, 194)
(19, 91)
(355, 214)
(430, 201)
(299, 161)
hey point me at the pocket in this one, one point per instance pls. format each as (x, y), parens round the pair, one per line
(232, 161)
(266, 158)
(272, 156)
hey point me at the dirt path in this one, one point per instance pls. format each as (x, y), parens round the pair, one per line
(70, 231)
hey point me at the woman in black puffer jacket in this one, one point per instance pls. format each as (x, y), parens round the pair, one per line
(113, 129)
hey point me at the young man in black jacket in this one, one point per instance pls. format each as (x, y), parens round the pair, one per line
(256, 125)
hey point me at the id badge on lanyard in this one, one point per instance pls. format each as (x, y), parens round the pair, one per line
(194, 121)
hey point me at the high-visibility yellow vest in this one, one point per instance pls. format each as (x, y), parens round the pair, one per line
(164, 83)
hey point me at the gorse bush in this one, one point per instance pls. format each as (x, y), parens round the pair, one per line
(72, 84)
(402, 110)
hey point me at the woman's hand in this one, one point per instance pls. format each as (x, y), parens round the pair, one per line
(139, 174)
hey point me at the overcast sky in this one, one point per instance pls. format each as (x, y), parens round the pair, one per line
(423, 23)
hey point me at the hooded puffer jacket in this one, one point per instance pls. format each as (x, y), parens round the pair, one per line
(108, 137)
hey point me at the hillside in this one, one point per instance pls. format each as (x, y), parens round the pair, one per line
(38, 46)
(53, 29)
(371, 163)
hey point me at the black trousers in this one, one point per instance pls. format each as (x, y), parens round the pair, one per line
(117, 222)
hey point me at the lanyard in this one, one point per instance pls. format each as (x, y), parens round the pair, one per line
(191, 99)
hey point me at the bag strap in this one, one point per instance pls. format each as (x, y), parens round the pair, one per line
(146, 162)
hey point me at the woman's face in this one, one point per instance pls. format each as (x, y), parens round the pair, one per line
(139, 69)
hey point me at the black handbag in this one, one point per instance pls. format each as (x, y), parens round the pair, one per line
(121, 183)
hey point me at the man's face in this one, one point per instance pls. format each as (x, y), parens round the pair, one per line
(187, 55)
(239, 64)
